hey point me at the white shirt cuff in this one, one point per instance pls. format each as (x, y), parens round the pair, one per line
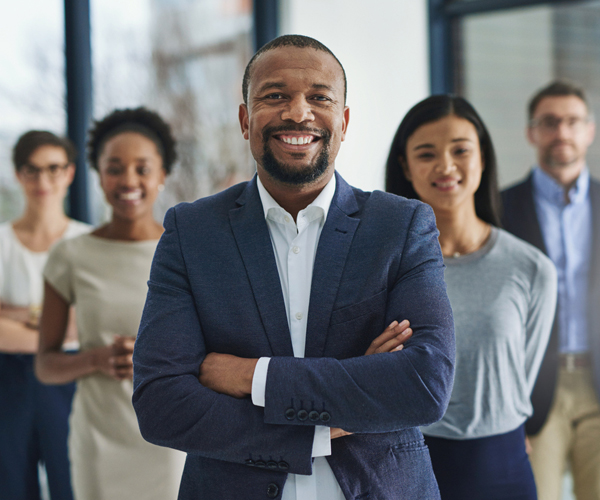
(321, 442)
(259, 382)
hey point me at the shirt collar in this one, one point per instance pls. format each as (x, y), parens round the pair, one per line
(323, 201)
(549, 189)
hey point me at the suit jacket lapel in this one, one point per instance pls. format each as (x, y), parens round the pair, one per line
(528, 217)
(595, 202)
(254, 243)
(332, 252)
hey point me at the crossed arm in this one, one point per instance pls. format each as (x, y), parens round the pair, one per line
(232, 375)
(17, 334)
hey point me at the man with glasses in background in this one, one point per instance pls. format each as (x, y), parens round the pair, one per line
(557, 209)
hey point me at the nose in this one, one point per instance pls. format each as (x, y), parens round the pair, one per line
(43, 178)
(298, 110)
(563, 129)
(446, 164)
(129, 178)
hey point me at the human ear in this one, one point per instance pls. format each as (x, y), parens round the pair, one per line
(345, 122)
(70, 173)
(244, 120)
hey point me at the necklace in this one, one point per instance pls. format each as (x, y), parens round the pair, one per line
(478, 243)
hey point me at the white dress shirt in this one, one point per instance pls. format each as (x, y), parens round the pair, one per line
(295, 246)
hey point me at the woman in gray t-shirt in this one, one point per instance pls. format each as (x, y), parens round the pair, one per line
(502, 291)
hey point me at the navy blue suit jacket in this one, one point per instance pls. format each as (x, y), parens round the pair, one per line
(520, 218)
(214, 287)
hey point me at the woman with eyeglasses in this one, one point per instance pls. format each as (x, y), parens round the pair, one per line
(502, 292)
(105, 274)
(33, 416)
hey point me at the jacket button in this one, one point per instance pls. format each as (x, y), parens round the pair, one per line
(290, 414)
(325, 417)
(272, 490)
(249, 462)
(313, 416)
(260, 463)
(271, 464)
(283, 465)
(302, 415)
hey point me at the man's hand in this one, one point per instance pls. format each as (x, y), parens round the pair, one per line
(227, 374)
(392, 339)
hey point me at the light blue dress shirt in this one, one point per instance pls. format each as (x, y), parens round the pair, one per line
(566, 226)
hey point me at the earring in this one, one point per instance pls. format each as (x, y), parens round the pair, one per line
(161, 188)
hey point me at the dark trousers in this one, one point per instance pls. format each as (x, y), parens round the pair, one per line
(33, 429)
(490, 468)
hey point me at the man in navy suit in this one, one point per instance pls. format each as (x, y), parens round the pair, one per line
(557, 209)
(260, 350)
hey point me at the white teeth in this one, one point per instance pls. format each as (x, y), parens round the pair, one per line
(134, 195)
(297, 140)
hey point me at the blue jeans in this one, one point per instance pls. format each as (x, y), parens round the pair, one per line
(33, 429)
(489, 468)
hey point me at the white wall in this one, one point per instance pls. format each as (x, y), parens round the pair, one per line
(383, 47)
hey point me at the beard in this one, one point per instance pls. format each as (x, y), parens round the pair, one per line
(288, 174)
(555, 159)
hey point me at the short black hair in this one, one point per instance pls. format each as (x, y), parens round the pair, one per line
(140, 120)
(556, 88)
(33, 139)
(487, 197)
(300, 41)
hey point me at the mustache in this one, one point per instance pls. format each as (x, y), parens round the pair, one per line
(269, 131)
(559, 142)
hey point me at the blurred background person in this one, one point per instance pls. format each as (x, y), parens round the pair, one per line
(105, 274)
(33, 416)
(557, 209)
(502, 291)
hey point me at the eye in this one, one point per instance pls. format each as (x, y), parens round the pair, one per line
(274, 96)
(29, 170)
(143, 170)
(113, 170)
(323, 98)
(425, 156)
(53, 169)
(461, 151)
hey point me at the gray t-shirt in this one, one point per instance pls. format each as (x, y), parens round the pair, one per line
(503, 298)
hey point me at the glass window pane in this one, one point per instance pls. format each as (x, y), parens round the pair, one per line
(507, 56)
(32, 85)
(185, 59)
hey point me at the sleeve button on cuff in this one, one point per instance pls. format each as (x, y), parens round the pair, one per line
(290, 414)
(313, 416)
(302, 415)
(325, 417)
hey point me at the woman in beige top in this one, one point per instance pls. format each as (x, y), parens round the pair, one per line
(105, 274)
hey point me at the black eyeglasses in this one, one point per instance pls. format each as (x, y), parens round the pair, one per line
(31, 172)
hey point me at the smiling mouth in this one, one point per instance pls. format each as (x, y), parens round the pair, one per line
(446, 183)
(296, 140)
(130, 196)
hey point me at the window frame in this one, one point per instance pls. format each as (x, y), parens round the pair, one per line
(445, 37)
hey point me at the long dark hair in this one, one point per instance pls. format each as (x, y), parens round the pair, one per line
(487, 197)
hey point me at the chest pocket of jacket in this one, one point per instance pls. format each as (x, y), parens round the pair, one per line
(374, 305)
(353, 327)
